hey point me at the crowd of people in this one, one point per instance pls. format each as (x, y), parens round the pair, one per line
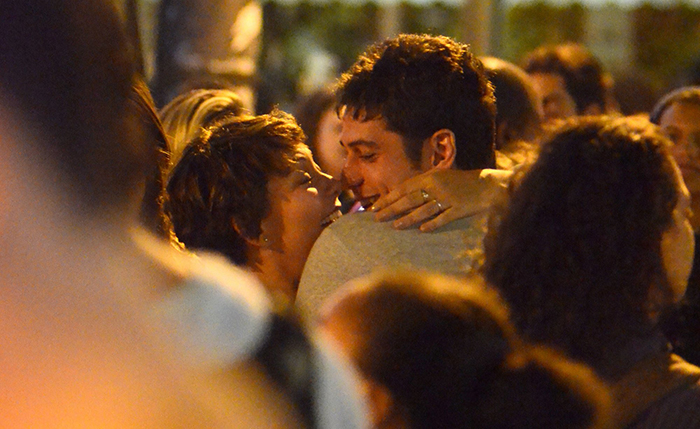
(439, 240)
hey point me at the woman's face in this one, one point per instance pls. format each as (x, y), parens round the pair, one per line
(681, 124)
(302, 204)
(678, 243)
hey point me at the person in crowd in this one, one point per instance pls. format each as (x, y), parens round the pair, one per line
(518, 131)
(518, 112)
(592, 245)
(189, 113)
(249, 189)
(678, 115)
(318, 117)
(440, 352)
(410, 104)
(91, 300)
(570, 81)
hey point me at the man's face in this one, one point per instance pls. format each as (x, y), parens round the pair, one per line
(556, 102)
(376, 161)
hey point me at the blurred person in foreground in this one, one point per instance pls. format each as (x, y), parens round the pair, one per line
(437, 352)
(103, 324)
(410, 104)
(591, 247)
(678, 115)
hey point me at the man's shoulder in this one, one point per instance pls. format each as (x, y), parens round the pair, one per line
(352, 221)
(363, 226)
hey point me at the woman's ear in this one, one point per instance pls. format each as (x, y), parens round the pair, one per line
(440, 150)
(262, 241)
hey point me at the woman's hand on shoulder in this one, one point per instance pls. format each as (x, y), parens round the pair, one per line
(438, 197)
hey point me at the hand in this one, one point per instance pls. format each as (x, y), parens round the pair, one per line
(438, 197)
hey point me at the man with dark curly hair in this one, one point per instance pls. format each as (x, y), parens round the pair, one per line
(409, 105)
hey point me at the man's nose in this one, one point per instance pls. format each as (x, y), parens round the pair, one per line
(349, 177)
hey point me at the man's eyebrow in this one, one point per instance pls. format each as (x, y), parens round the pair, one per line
(359, 142)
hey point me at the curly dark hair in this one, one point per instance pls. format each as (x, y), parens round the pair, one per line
(218, 191)
(576, 248)
(583, 74)
(421, 84)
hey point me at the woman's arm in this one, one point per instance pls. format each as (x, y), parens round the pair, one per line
(438, 197)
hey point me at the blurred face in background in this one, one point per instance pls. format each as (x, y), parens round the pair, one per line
(330, 155)
(556, 101)
(678, 243)
(680, 122)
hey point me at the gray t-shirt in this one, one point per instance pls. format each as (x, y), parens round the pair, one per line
(355, 245)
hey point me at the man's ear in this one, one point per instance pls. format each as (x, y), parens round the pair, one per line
(440, 150)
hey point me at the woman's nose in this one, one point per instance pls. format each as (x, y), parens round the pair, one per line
(332, 185)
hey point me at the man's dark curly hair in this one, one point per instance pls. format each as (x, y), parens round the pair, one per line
(576, 248)
(583, 74)
(218, 191)
(420, 84)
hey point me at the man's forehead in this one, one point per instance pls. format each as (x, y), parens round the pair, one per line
(362, 132)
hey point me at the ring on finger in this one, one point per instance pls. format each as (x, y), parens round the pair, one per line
(425, 195)
(439, 206)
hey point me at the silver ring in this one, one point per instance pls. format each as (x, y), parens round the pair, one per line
(425, 195)
(440, 207)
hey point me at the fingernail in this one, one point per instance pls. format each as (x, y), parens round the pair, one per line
(398, 224)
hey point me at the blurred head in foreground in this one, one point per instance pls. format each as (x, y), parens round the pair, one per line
(593, 242)
(440, 352)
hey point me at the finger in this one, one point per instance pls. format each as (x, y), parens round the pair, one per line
(387, 200)
(447, 216)
(408, 202)
(417, 216)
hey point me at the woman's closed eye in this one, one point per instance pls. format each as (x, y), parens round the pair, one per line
(306, 179)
